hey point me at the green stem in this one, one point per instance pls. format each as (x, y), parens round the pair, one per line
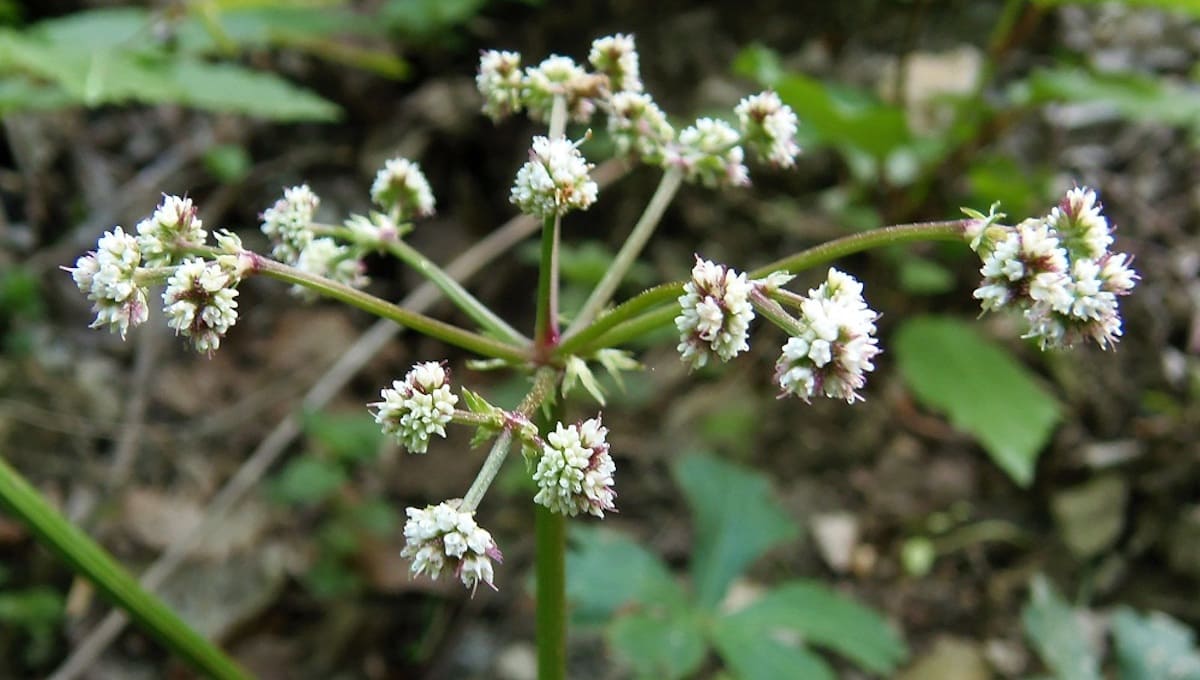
(775, 313)
(551, 531)
(89, 559)
(646, 224)
(632, 320)
(545, 334)
(445, 332)
(452, 289)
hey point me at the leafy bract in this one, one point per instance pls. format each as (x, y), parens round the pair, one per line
(982, 390)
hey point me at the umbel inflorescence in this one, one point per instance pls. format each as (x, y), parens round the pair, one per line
(1057, 270)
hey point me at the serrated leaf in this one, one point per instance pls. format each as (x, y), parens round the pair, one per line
(607, 571)
(737, 520)
(754, 655)
(1055, 632)
(809, 611)
(661, 645)
(1154, 646)
(980, 388)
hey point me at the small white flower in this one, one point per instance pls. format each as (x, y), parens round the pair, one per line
(108, 277)
(836, 346)
(575, 471)
(1027, 262)
(558, 75)
(201, 303)
(440, 537)
(173, 225)
(708, 152)
(417, 407)
(325, 257)
(500, 82)
(715, 314)
(638, 127)
(769, 128)
(288, 222)
(401, 185)
(1080, 227)
(616, 57)
(554, 180)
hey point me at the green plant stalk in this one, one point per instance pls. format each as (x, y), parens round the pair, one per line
(775, 313)
(631, 319)
(545, 334)
(551, 566)
(633, 246)
(420, 323)
(452, 289)
(86, 557)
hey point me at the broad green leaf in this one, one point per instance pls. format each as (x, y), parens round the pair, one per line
(234, 89)
(348, 436)
(662, 645)
(737, 520)
(1154, 646)
(307, 480)
(755, 654)
(105, 28)
(1135, 96)
(1054, 631)
(1191, 7)
(18, 93)
(606, 572)
(810, 611)
(982, 390)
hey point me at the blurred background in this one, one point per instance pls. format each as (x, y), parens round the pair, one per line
(976, 467)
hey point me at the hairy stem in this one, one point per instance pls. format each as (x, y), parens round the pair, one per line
(550, 569)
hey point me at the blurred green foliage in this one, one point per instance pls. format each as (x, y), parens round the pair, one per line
(663, 630)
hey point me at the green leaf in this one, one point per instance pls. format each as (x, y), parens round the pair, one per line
(664, 644)
(982, 390)
(1134, 96)
(307, 481)
(1055, 632)
(607, 571)
(809, 611)
(31, 607)
(834, 115)
(1191, 7)
(1154, 646)
(233, 89)
(351, 436)
(737, 520)
(755, 655)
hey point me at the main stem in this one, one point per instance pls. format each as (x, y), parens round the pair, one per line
(550, 529)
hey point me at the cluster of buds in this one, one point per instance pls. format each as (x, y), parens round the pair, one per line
(554, 181)
(1057, 270)
(831, 343)
(571, 467)
(709, 152)
(200, 296)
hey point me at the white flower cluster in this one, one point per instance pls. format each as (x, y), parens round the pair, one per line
(708, 152)
(500, 81)
(554, 180)
(402, 187)
(441, 537)
(1059, 272)
(200, 302)
(288, 223)
(558, 75)
(836, 344)
(108, 277)
(575, 471)
(638, 127)
(173, 225)
(417, 407)
(326, 257)
(616, 57)
(715, 315)
(769, 128)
